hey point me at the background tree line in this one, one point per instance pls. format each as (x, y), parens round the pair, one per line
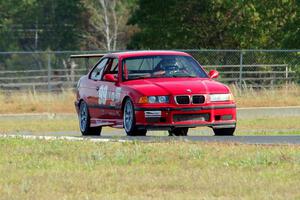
(29, 25)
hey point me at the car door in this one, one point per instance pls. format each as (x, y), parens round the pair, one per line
(94, 81)
(109, 93)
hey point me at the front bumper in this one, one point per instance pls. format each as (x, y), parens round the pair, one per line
(215, 116)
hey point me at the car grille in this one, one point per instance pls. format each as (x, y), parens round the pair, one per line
(182, 99)
(190, 117)
(185, 99)
(198, 99)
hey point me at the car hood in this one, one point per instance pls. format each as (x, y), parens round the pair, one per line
(176, 86)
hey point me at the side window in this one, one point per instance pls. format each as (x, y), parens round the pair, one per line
(112, 67)
(97, 71)
(115, 67)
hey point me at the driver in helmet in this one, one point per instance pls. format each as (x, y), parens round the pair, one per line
(166, 66)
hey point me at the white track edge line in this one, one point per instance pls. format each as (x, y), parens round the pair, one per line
(68, 138)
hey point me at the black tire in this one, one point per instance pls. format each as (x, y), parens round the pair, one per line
(84, 122)
(224, 131)
(178, 132)
(129, 120)
(138, 132)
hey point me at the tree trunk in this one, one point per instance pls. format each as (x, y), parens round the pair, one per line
(106, 25)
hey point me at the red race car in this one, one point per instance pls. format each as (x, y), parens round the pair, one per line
(153, 90)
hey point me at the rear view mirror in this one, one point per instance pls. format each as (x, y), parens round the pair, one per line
(213, 74)
(110, 78)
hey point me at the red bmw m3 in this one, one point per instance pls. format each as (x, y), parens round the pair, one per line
(153, 90)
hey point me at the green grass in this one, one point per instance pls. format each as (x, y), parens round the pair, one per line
(39, 125)
(270, 123)
(39, 169)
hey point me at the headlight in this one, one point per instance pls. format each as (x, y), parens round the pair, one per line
(221, 97)
(154, 99)
(151, 99)
(163, 99)
(158, 99)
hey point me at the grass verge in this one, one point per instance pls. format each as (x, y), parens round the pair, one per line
(38, 125)
(31, 102)
(286, 95)
(39, 169)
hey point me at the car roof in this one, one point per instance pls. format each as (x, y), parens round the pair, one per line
(127, 54)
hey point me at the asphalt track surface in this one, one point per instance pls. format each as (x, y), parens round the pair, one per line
(118, 135)
(258, 140)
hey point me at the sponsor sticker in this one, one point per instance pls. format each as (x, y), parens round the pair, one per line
(102, 94)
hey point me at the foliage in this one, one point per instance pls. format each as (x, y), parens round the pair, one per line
(65, 21)
(291, 30)
(7, 34)
(194, 24)
(169, 24)
(107, 28)
(41, 24)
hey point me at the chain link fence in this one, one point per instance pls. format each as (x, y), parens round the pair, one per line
(55, 71)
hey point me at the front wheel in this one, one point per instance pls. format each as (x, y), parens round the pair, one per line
(178, 132)
(224, 131)
(84, 121)
(129, 120)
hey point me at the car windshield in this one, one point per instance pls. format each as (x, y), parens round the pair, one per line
(161, 67)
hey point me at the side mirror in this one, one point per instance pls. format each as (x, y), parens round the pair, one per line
(213, 74)
(110, 78)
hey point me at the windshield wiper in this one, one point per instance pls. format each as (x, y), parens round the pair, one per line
(183, 75)
(140, 77)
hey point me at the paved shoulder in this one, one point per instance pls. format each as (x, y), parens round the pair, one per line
(221, 139)
(249, 139)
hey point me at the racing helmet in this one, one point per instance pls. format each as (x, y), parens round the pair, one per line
(168, 64)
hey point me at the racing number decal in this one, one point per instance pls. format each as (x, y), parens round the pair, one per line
(112, 96)
(102, 94)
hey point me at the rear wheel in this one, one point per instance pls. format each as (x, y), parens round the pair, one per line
(84, 121)
(178, 132)
(224, 131)
(129, 120)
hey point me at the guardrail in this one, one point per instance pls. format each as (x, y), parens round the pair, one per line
(59, 79)
(55, 71)
(40, 80)
(255, 76)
